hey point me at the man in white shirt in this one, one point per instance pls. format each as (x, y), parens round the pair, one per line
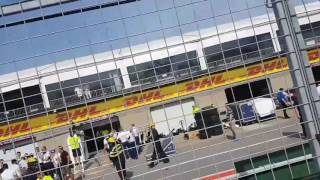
(46, 160)
(78, 91)
(18, 156)
(8, 174)
(87, 91)
(23, 164)
(128, 141)
(39, 155)
(136, 133)
(15, 167)
(123, 137)
(45, 155)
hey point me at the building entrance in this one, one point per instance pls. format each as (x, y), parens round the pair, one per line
(95, 132)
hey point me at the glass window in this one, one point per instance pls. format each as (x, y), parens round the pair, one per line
(249, 49)
(185, 64)
(162, 66)
(11, 95)
(90, 87)
(230, 45)
(111, 81)
(148, 72)
(265, 44)
(143, 72)
(247, 91)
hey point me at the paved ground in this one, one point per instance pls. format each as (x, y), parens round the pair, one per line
(197, 158)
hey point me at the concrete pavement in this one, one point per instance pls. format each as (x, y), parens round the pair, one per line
(197, 158)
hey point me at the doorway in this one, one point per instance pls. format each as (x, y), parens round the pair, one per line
(248, 90)
(94, 133)
(173, 116)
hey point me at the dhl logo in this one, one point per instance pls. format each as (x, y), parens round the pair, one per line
(76, 114)
(15, 129)
(313, 55)
(145, 97)
(267, 66)
(58, 120)
(222, 78)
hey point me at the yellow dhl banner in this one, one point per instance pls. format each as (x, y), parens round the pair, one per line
(42, 123)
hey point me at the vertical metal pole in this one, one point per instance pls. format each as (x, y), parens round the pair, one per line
(298, 61)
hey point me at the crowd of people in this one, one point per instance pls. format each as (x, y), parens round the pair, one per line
(43, 165)
(46, 164)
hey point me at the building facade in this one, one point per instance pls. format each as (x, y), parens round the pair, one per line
(99, 66)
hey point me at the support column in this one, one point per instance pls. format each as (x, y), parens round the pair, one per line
(298, 64)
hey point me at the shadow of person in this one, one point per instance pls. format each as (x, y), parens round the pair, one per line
(292, 134)
(129, 174)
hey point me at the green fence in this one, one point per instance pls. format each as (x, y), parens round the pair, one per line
(293, 163)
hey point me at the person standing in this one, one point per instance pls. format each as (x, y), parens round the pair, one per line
(42, 176)
(117, 157)
(136, 134)
(297, 110)
(106, 146)
(231, 120)
(158, 152)
(64, 163)
(8, 174)
(123, 137)
(74, 143)
(132, 148)
(283, 99)
(18, 156)
(39, 155)
(15, 167)
(23, 164)
(47, 165)
(1, 165)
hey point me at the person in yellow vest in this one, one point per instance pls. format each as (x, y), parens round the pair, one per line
(196, 110)
(31, 160)
(74, 143)
(116, 155)
(42, 176)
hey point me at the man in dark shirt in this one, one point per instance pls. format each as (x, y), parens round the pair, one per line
(116, 155)
(64, 162)
(158, 152)
(231, 120)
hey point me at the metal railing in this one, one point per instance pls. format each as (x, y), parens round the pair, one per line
(239, 60)
(312, 41)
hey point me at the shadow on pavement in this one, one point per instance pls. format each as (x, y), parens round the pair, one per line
(292, 134)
